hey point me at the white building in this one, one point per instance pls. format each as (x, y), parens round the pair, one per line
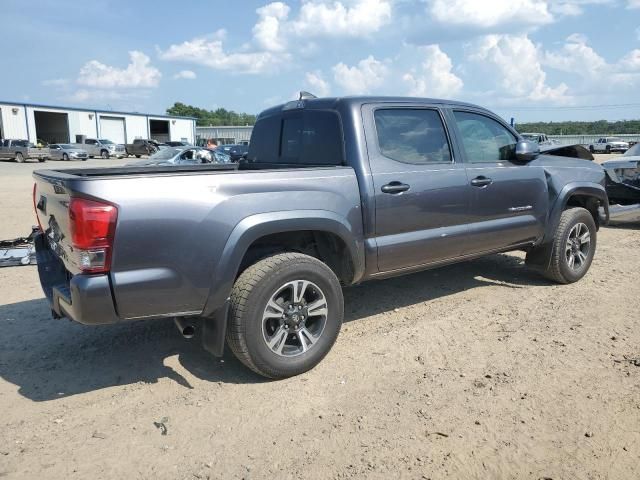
(52, 124)
(224, 135)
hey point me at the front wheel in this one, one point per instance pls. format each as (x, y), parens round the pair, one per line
(608, 149)
(104, 154)
(65, 157)
(42, 160)
(574, 245)
(19, 158)
(286, 313)
(591, 149)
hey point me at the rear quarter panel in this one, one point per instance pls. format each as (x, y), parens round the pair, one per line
(173, 229)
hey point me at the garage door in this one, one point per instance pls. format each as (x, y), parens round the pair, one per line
(112, 128)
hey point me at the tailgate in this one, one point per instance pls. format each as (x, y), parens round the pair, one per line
(51, 200)
(37, 152)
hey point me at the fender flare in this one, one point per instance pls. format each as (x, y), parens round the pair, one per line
(588, 189)
(251, 228)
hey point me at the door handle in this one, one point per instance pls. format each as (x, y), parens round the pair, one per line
(395, 187)
(481, 181)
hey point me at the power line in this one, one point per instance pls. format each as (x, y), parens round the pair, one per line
(571, 107)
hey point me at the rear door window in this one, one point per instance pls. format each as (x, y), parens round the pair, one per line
(412, 135)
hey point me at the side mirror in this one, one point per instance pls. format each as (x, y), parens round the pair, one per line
(526, 151)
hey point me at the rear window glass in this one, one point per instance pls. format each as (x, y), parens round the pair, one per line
(311, 137)
(412, 135)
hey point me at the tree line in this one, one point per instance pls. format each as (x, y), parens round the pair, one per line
(600, 127)
(220, 116)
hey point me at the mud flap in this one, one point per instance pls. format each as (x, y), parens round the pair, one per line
(539, 258)
(214, 329)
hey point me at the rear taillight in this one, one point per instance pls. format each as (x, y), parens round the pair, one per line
(92, 226)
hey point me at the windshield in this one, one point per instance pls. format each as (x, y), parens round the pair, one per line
(66, 146)
(105, 141)
(633, 151)
(530, 136)
(166, 153)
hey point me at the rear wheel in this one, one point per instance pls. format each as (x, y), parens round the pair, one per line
(138, 156)
(19, 158)
(43, 159)
(574, 246)
(286, 313)
(591, 149)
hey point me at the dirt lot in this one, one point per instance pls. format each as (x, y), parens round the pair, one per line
(479, 370)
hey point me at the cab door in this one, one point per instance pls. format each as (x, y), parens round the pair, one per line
(508, 201)
(421, 189)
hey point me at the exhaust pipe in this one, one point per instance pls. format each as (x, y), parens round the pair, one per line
(186, 328)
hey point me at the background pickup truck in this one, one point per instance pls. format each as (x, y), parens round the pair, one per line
(102, 148)
(334, 191)
(141, 147)
(608, 145)
(21, 150)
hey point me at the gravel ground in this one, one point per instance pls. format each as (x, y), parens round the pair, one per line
(478, 370)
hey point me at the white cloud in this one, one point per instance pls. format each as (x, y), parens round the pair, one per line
(267, 32)
(364, 77)
(435, 77)
(317, 84)
(362, 18)
(631, 4)
(489, 14)
(97, 96)
(209, 51)
(630, 62)
(576, 57)
(517, 64)
(139, 73)
(185, 74)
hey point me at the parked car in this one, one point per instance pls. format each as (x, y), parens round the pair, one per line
(22, 150)
(623, 177)
(609, 145)
(102, 147)
(335, 191)
(236, 152)
(183, 156)
(64, 151)
(142, 146)
(539, 138)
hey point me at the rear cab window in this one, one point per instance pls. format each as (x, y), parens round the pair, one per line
(301, 137)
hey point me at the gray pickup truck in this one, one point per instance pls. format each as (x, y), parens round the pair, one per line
(103, 148)
(141, 146)
(333, 192)
(22, 150)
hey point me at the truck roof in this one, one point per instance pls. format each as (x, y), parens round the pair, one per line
(358, 101)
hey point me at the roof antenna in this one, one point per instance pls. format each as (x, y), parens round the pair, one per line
(305, 95)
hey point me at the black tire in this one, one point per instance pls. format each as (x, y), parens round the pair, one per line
(559, 269)
(138, 156)
(65, 157)
(42, 160)
(249, 297)
(608, 149)
(19, 158)
(104, 154)
(591, 149)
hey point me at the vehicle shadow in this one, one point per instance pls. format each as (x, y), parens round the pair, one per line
(50, 359)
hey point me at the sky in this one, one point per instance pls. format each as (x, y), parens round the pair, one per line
(535, 60)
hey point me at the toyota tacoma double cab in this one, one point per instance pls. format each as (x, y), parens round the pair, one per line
(333, 192)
